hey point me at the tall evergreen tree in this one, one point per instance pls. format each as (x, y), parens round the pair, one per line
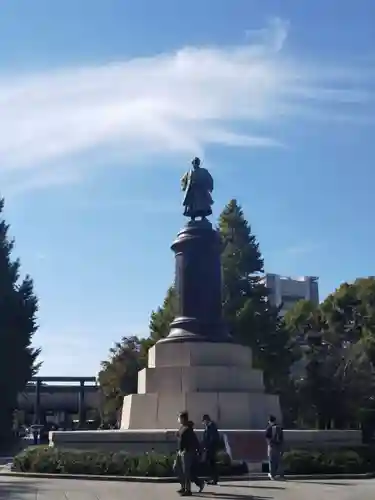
(246, 309)
(243, 293)
(18, 309)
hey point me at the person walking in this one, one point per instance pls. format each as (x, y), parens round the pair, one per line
(275, 445)
(211, 444)
(196, 461)
(185, 464)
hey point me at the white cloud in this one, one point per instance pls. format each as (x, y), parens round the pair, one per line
(18, 183)
(174, 103)
(272, 37)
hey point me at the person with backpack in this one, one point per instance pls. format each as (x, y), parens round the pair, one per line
(211, 445)
(275, 445)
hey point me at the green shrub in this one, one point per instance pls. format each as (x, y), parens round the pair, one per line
(367, 419)
(53, 460)
(367, 416)
(353, 461)
(303, 462)
(44, 459)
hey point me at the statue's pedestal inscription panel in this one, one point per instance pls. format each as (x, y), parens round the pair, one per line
(213, 378)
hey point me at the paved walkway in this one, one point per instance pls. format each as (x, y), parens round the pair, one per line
(12, 488)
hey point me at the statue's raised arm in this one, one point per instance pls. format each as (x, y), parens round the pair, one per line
(198, 185)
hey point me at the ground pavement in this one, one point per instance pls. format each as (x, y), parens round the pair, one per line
(13, 488)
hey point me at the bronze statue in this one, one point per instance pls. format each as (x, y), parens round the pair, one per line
(198, 185)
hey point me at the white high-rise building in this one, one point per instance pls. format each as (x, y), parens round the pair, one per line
(286, 291)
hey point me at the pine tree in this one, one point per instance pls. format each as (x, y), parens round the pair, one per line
(243, 293)
(246, 309)
(18, 309)
(163, 316)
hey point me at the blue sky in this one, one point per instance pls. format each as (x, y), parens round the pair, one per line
(104, 103)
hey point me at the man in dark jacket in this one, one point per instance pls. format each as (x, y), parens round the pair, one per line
(275, 446)
(196, 461)
(211, 444)
(187, 450)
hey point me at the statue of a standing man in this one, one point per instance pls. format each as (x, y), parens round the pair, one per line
(198, 185)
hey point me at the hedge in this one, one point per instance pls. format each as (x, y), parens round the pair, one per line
(367, 418)
(342, 461)
(44, 459)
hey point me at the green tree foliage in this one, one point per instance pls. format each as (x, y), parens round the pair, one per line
(119, 374)
(356, 379)
(246, 309)
(18, 309)
(163, 316)
(337, 383)
(303, 320)
(338, 352)
(242, 263)
(350, 312)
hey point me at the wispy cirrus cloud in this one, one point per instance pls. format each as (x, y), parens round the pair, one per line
(172, 103)
(41, 177)
(271, 38)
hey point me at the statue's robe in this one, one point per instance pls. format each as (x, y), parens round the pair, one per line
(199, 186)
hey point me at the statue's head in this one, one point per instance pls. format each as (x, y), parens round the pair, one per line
(196, 162)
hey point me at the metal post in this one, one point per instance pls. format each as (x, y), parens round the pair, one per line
(37, 402)
(81, 404)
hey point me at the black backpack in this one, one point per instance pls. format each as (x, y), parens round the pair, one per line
(278, 436)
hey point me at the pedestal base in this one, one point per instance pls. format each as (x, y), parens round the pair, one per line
(183, 329)
(199, 377)
(238, 410)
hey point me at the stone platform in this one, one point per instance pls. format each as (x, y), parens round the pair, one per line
(199, 377)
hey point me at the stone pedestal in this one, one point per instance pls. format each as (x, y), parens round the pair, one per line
(197, 367)
(200, 377)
